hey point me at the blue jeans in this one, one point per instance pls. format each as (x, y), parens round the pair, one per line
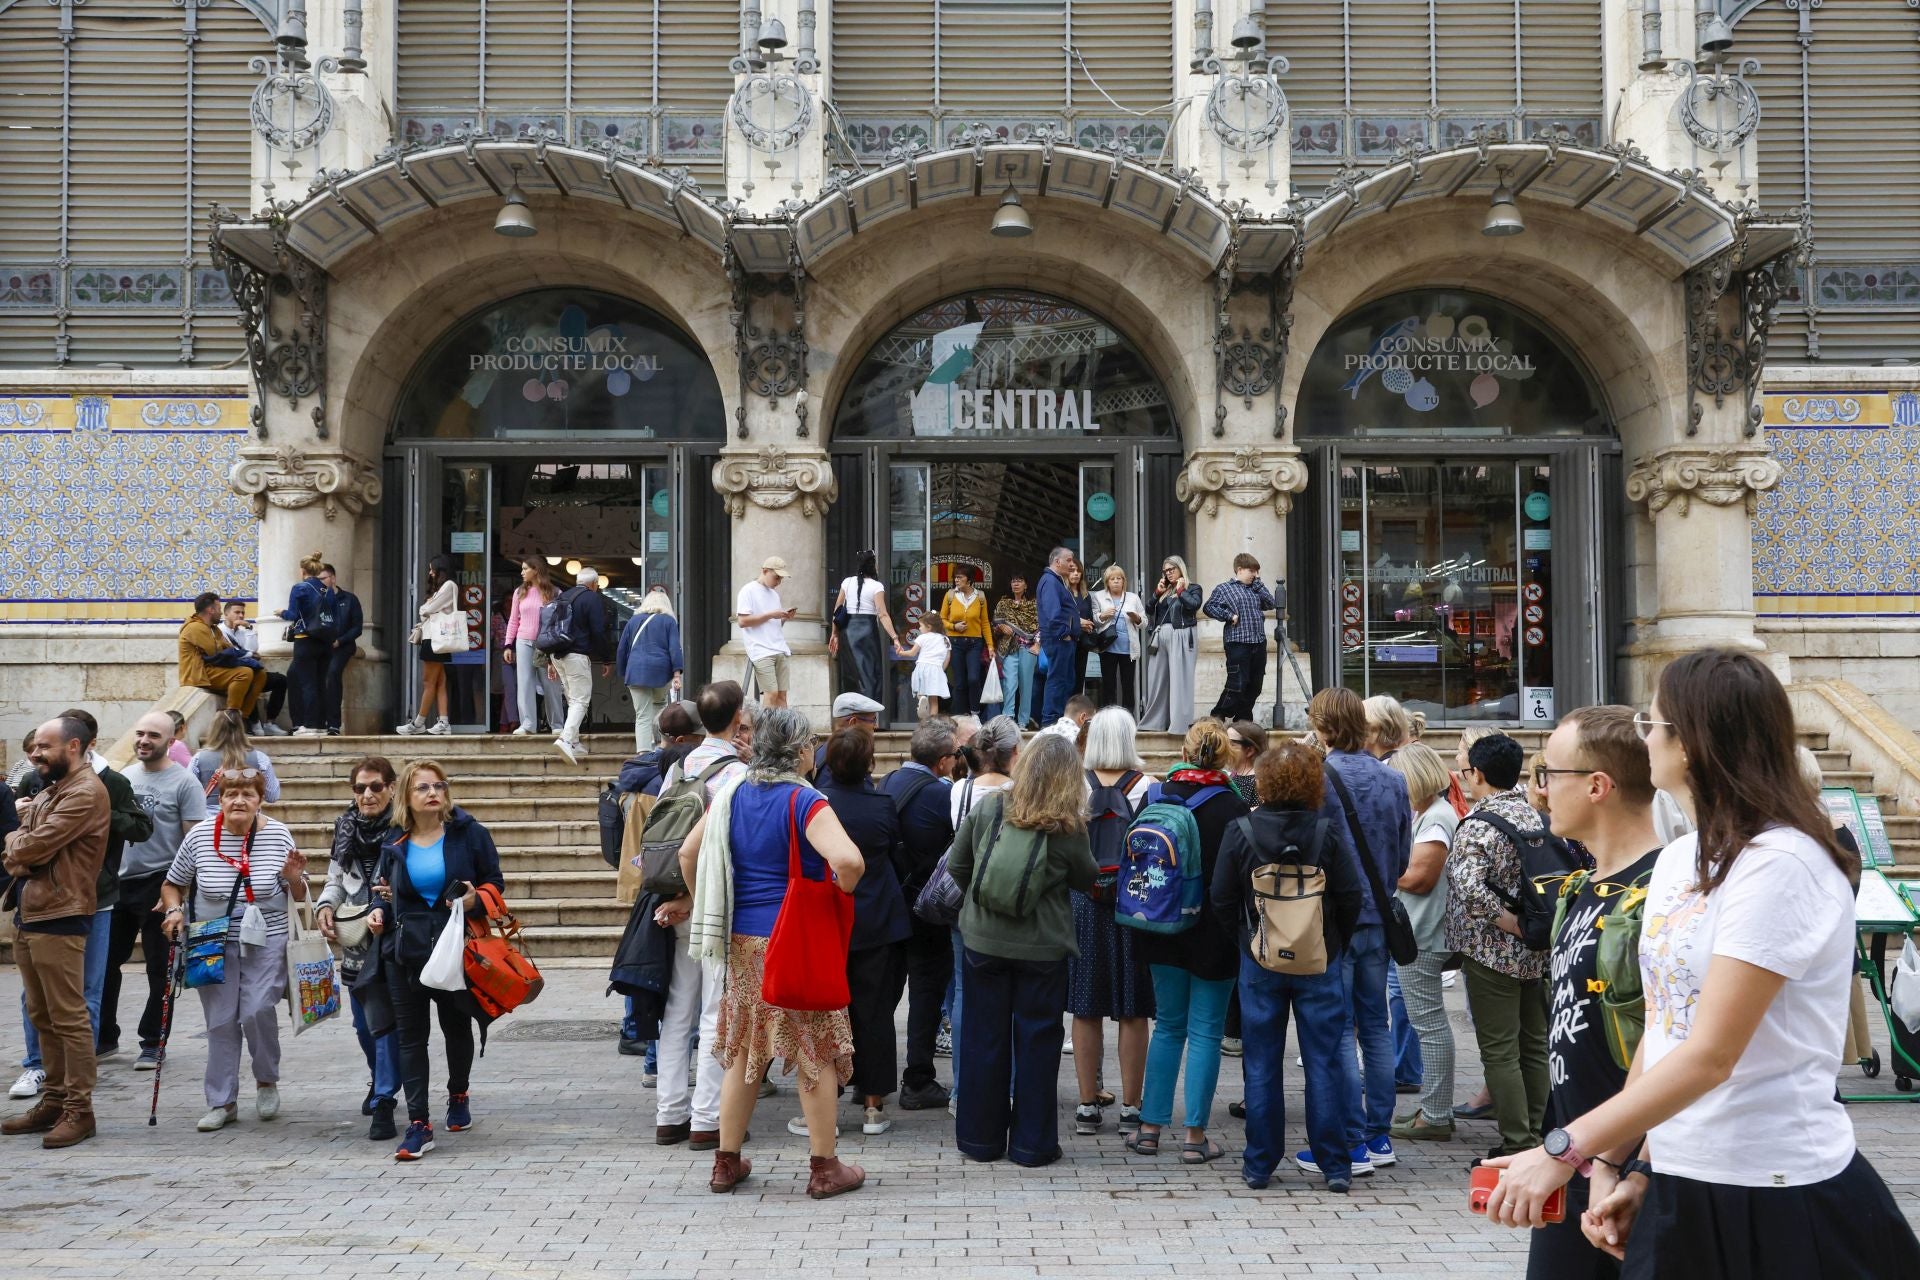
(1012, 1048)
(382, 1051)
(1018, 673)
(1407, 1066)
(99, 934)
(1061, 669)
(1189, 1015)
(1370, 1096)
(951, 1010)
(1319, 1005)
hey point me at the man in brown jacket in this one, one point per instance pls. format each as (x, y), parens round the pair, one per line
(54, 859)
(200, 639)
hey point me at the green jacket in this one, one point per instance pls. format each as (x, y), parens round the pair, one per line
(1067, 863)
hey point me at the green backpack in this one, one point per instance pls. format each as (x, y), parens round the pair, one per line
(1009, 863)
(1623, 1001)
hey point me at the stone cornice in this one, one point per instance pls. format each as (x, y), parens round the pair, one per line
(1721, 476)
(773, 477)
(1248, 476)
(292, 478)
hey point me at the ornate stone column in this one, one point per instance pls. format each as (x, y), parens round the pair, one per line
(1239, 495)
(1700, 499)
(778, 494)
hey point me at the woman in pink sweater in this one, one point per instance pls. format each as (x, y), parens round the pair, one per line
(523, 624)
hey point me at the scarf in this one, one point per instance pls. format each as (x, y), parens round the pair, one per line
(1194, 774)
(710, 927)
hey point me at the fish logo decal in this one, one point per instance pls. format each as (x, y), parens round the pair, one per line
(1398, 329)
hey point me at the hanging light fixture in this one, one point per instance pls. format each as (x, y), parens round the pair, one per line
(1010, 219)
(515, 219)
(1503, 215)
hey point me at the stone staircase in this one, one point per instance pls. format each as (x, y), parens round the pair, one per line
(542, 812)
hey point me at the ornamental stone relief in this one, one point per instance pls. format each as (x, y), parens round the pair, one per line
(1720, 477)
(1245, 477)
(771, 479)
(292, 479)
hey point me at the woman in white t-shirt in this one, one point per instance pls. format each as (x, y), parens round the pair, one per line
(1423, 891)
(864, 598)
(1746, 952)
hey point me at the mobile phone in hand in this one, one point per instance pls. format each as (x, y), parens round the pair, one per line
(1484, 1180)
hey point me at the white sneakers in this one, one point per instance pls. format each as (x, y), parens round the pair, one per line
(440, 727)
(571, 750)
(798, 1128)
(217, 1119)
(306, 731)
(876, 1122)
(30, 1084)
(266, 1102)
(416, 725)
(523, 731)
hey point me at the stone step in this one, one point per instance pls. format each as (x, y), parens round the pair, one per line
(496, 785)
(582, 806)
(575, 838)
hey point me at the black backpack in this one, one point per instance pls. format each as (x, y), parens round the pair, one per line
(1545, 862)
(1109, 814)
(556, 636)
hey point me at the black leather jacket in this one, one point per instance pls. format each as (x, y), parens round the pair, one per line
(1179, 609)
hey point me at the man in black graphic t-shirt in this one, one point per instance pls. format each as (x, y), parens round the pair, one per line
(1595, 776)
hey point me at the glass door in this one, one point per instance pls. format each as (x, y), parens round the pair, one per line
(909, 568)
(1444, 572)
(466, 523)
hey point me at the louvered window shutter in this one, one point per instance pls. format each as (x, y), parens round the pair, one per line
(1128, 46)
(1560, 55)
(612, 55)
(31, 58)
(697, 38)
(1864, 79)
(223, 145)
(1003, 57)
(1473, 55)
(526, 57)
(438, 57)
(1312, 39)
(883, 55)
(1390, 52)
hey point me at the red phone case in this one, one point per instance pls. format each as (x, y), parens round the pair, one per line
(1480, 1187)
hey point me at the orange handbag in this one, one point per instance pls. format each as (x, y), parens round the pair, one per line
(499, 974)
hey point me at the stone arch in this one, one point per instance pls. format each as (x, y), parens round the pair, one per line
(1150, 292)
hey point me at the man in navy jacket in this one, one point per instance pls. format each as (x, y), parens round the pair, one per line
(1060, 627)
(920, 796)
(348, 622)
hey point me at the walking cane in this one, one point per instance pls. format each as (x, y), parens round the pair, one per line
(176, 971)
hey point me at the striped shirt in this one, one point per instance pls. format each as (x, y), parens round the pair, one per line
(212, 875)
(1234, 598)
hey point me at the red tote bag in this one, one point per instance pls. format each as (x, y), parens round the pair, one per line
(806, 966)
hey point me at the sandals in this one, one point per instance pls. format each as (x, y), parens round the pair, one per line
(1200, 1152)
(1143, 1143)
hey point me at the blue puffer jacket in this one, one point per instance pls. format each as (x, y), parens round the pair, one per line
(650, 650)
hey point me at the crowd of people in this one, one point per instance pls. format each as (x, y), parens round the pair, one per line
(1651, 921)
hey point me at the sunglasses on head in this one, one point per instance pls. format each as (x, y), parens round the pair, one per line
(240, 775)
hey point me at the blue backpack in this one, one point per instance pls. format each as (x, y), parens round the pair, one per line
(1159, 886)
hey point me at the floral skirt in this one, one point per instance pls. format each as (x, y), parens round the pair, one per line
(753, 1029)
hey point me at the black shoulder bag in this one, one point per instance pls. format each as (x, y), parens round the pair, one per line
(1401, 944)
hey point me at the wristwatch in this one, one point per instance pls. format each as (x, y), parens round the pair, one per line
(1559, 1144)
(1640, 1167)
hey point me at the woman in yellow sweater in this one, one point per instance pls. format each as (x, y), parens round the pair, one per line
(964, 612)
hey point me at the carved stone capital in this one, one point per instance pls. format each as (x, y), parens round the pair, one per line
(292, 478)
(1720, 477)
(1249, 476)
(771, 478)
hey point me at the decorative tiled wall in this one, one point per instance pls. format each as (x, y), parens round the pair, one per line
(118, 508)
(1837, 538)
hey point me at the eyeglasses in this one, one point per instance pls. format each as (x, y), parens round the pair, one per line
(240, 775)
(429, 788)
(1541, 774)
(361, 788)
(1643, 724)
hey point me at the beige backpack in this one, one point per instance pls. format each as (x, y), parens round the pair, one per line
(1286, 905)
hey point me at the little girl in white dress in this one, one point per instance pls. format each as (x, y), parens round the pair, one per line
(930, 653)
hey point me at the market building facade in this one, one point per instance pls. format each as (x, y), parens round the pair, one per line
(1530, 342)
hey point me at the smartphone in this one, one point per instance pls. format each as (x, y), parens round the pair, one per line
(1484, 1180)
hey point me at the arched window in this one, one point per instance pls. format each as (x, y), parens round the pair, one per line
(126, 122)
(1003, 363)
(563, 364)
(1445, 362)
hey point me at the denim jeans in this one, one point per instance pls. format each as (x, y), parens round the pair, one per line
(1319, 1006)
(1189, 1015)
(1407, 1066)
(951, 1011)
(333, 684)
(1012, 1047)
(382, 1053)
(1062, 668)
(307, 682)
(1370, 1095)
(1017, 675)
(98, 936)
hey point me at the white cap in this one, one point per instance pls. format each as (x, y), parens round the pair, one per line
(855, 704)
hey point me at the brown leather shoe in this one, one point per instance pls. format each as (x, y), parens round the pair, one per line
(703, 1139)
(667, 1135)
(43, 1116)
(729, 1170)
(76, 1126)
(832, 1178)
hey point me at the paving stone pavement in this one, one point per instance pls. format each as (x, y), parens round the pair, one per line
(560, 1178)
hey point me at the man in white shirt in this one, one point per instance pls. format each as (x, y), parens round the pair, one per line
(239, 632)
(763, 618)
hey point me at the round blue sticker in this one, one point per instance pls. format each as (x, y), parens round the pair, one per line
(1538, 506)
(1100, 506)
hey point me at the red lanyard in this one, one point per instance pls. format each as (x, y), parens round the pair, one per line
(244, 866)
